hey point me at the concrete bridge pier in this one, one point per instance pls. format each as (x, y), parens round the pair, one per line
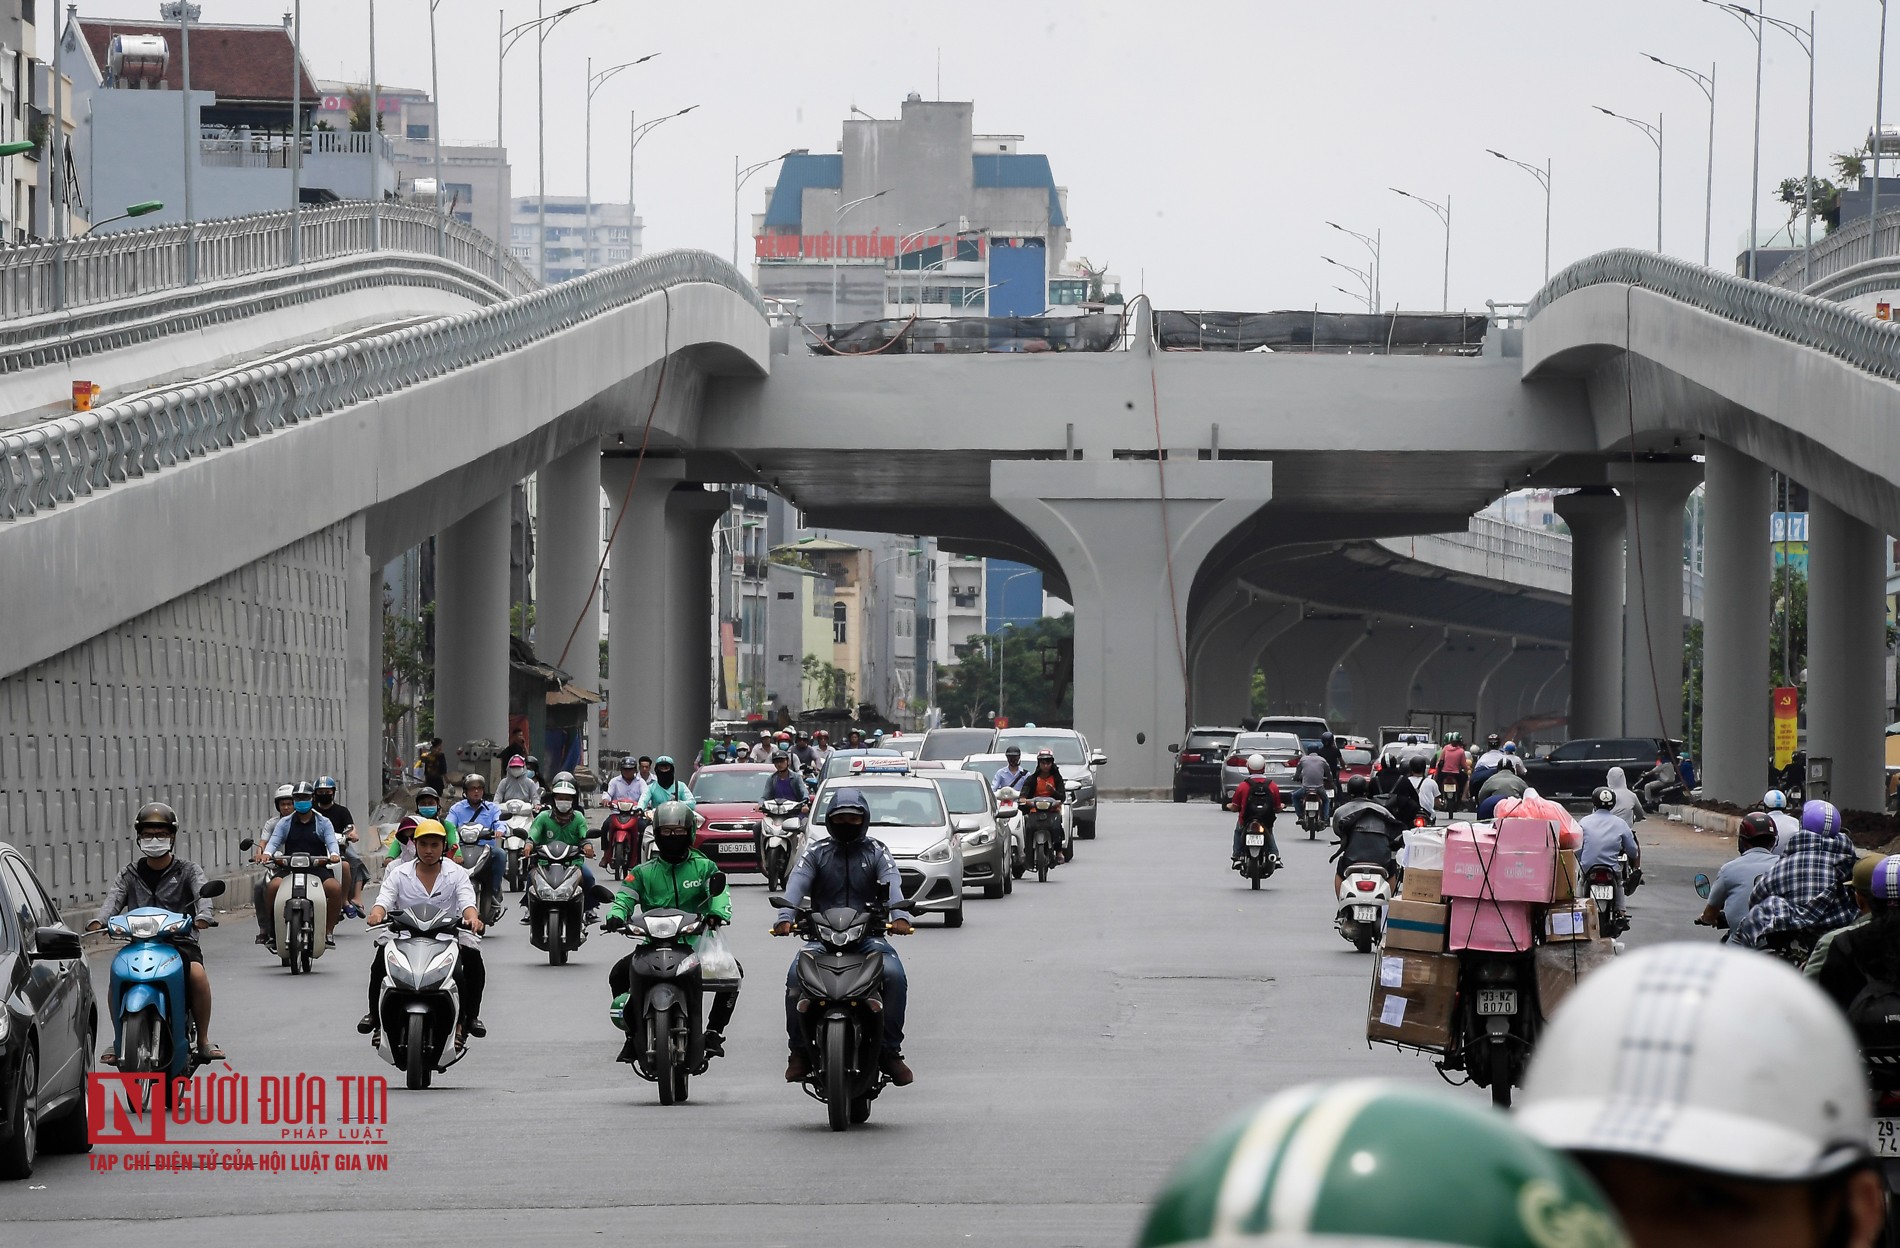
(1453, 679)
(471, 627)
(691, 513)
(649, 635)
(1225, 654)
(567, 621)
(1385, 668)
(1130, 560)
(1301, 662)
(1653, 495)
(1596, 612)
(1737, 565)
(1847, 619)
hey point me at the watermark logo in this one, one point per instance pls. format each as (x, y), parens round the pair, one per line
(225, 1120)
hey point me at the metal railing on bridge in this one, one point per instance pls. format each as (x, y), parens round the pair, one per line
(1837, 260)
(102, 268)
(62, 460)
(1391, 333)
(1870, 345)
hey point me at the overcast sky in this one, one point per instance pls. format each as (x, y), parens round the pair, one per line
(1204, 145)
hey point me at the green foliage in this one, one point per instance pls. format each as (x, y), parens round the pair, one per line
(1824, 197)
(521, 619)
(967, 692)
(1257, 703)
(361, 112)
(1788, 609)
(826, 684)
(408, 681)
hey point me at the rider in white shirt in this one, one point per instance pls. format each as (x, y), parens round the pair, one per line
(431, 879)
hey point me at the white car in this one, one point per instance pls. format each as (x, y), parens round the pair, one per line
(1282, 750)
(907, 814)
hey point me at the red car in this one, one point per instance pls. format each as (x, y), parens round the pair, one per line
(729, 795)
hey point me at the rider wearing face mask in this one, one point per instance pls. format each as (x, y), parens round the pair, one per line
(284, 800)
(355, 871)
(307, 832)
(666, 786)
(160, 878)
(517, 785)
(563, 821)
(674, 880)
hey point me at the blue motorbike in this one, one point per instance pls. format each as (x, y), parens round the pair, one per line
(151, 1012)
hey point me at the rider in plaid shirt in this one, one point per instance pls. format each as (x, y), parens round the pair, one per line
(1809, 888)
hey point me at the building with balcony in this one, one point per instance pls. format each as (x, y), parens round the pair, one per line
(250, 95)
(578, 239)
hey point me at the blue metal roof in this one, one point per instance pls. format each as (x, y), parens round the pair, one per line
(997, 169)
(795, 174)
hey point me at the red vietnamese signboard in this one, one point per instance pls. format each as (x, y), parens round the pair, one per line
(872, 246)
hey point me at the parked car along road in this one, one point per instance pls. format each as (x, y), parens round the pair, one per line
(1576, 769)
(1282, 749)
(1198, 762)
(973, 815)
(48, 1024)
(909, 816)
(1074, 760)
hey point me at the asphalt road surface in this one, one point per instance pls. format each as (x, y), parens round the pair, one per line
(1071, 1042)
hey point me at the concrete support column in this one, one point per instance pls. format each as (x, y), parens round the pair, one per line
(1300, 663)
(638, 572)
(361, 774)
(691, 513)
(471, 627)
(1454, 677)
(567, 553)
(1736, 569)
(1653, 495)
(1130, 559)
(1223, 657)
(1847, 641)
(1596, 612)
(1385, 669)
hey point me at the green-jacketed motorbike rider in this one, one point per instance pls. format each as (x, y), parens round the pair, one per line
(675, 879)
(563, 821)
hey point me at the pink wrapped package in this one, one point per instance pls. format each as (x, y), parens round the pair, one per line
(1491, 926)
(1513, 860)
(1531, 806)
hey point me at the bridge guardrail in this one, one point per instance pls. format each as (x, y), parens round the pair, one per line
(62, 460)
(1845, 248)
(100, 268)
(1870, 345)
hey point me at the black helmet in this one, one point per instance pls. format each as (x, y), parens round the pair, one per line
(1312, 749)
(1416, 766)
(1605, 798)
(847, 831)
(1757, 829)
(1357, 786)
(304, 789)
(1491, 739)
(1014, 751)
(1326, 738)
(156, 815)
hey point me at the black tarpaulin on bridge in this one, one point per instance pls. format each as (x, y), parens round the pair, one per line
(1322, 331)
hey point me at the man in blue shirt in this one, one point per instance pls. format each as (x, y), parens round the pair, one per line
(784, 784)
(304, 831)
(1013, 773)
(474, 808)
(1729, 891)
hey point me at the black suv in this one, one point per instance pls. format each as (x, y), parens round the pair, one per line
(1576, 769)
(48, 1024)
(1198, 761)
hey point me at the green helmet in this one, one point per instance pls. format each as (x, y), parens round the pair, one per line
(673, 815)
(1369, 1162)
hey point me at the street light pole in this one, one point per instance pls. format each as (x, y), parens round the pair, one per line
(1873, 153)
(1376, 245)
(375, 132)
(633, 143)
(1443, 212)
(1363, 276)
(1655, 135)
(1805, 39)
(1752, 23)
(1543, 180)
(594, 83)
(836, 217)
(296, 132)
(435, 136)
(187, 13)
(739, 178)
(1706, 84)
(903, 245)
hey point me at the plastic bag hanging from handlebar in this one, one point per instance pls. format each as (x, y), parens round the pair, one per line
(717, 964)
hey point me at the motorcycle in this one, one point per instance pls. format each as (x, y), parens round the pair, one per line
(1495, 1021)
(666, 1004)
(620, 839)
(1312, 819)
(840, 987)
(300, 915)
(477, 854)
(1009, 818)
(1257, 864)
(778, 835)
(1042, 833)
(556, 904)
(420, 1005)
(1364, 893)
(1601, 883)
(151, 1018)
(519, 815)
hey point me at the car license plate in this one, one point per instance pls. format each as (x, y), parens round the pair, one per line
(735, 847)
(1601, 892)
(1365, 914)
(1497, 1001)
(1886, 1137)
(1255, 838)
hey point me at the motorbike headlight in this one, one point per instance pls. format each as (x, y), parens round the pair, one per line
(940, 852)
(663, 926)
(144, 926)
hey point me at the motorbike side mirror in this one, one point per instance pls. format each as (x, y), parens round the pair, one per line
(602, 894)
(715, 883)
(56, 944)
(212, 888)
(778, 903)
(246, 843)
(1702, 886)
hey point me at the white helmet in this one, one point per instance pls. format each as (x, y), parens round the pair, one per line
(1670, 1049)
(1774, 799)
(284, 791)
(1257, 763)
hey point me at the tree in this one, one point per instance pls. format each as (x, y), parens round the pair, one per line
(826, 684)
(408, 680)
(361, 111)
(1257, 704)
(967, 692)
(1823, 195)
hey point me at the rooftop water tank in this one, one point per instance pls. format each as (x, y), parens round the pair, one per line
(137, 60)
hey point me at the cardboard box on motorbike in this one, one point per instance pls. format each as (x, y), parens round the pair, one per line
(1560, 966)
(1513, 860)
(1413, 999)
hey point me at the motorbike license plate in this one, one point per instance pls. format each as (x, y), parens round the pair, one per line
(1601, 892)
(735, 847)
(1885, 1139)
(1365, 914)
(1255, 838)
(1497, 1001)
